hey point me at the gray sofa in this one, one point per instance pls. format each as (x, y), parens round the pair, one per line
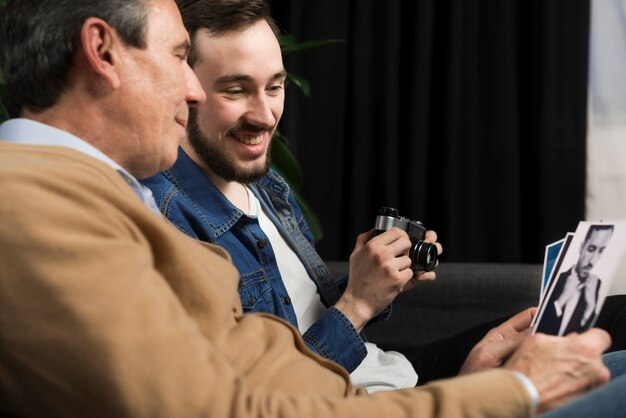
(463, 295)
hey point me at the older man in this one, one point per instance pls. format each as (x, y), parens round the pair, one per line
(107, 310)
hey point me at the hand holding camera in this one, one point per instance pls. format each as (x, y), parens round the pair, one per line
(384, 263)
(423, 255)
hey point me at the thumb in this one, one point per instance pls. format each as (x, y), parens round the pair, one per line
(503, 349)
(519, 322)
(362, 239)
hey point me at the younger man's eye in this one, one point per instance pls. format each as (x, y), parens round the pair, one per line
(275, 89)
(234, 92)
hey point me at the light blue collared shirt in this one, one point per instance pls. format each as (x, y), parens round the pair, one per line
(27, 131)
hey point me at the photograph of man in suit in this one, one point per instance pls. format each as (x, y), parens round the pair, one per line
(572, 305)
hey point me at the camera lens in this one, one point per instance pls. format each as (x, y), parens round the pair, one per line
(423, 256)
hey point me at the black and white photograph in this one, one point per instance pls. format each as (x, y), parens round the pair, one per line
(581, 278)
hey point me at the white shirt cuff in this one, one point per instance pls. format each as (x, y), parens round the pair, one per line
(530, 388)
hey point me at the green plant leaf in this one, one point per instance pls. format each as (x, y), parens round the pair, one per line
(286, 40)
(4, 115)
(302, 84)
(284, 161)
(290, 46)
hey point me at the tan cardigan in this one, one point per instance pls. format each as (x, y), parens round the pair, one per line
(108, 310)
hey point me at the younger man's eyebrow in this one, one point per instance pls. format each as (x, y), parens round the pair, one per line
(230, 78)
(280, 74)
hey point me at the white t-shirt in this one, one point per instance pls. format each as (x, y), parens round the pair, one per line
(380, 370)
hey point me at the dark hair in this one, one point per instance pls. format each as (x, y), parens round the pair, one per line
(597, 227)
(38, 40)
(222, 16)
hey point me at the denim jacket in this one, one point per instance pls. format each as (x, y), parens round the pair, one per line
(192, 202)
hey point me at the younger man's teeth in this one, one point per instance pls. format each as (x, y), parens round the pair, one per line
(252, 141)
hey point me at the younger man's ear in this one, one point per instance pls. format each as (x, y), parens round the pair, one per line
(98, 43)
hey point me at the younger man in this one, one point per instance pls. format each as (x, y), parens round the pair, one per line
(222, 191)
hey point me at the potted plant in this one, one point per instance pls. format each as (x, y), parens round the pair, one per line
(283, 160)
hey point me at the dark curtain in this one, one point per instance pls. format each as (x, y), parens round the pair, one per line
(469, 115)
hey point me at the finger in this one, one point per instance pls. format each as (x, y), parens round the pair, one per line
(362, 239)
(390, 236)
(420, 277)
(398, 268)
(425, 276)
(411, 284)
(396, 240)
(595, 340)
(400, 247)
(431, 236)
(407, 278)
(520, 321)
(402, 263)
(502, 349)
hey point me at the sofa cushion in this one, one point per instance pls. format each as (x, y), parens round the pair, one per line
(462, 296)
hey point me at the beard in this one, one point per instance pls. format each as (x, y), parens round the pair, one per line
(216, 158)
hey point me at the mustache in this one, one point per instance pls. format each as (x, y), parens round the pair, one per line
(246, 127)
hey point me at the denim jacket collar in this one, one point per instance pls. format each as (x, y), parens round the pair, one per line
(223, 213)
(275, 185)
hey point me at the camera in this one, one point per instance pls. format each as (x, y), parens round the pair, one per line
(423, 255)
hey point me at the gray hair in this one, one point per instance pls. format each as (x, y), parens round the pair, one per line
(38, 39)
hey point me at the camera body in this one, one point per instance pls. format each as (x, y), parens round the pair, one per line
(423, 255)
